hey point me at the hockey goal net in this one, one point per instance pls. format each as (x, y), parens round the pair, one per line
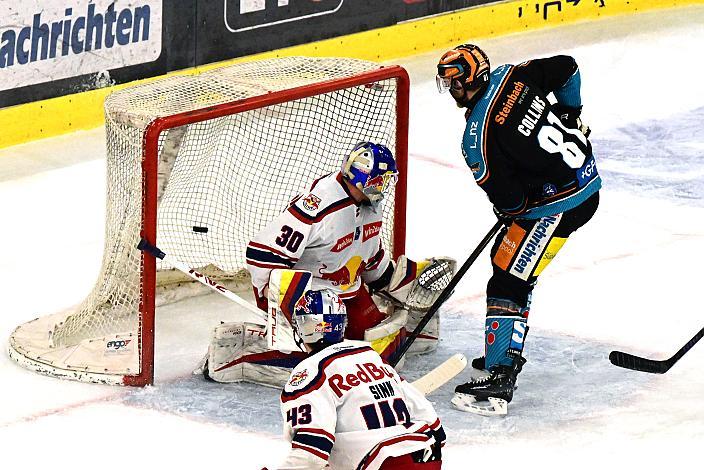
(197, 165)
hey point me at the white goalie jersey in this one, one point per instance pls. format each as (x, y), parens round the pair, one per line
(326, 232)
(345, 407)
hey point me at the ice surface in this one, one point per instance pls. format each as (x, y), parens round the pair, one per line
(627, 280)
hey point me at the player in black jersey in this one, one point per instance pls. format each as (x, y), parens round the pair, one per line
(535, 163)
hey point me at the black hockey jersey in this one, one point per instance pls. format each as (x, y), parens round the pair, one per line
(520, 153)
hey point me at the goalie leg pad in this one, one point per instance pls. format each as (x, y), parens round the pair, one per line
(286, 287)
(428, 339)
(387, 337)
(238, 352)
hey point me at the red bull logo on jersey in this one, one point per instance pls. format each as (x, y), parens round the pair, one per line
(311, 202)
(298, 378)
(343, 243)
(360, 374)
(344, 277)
(371, 230)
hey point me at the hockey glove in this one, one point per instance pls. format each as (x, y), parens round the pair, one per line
(502, 216)
(570, 117)
(416, 285)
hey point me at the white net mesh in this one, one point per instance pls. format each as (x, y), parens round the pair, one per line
(221, 180)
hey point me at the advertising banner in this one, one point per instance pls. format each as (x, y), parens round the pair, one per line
(52, 48)
(234, 28)
(44, 41)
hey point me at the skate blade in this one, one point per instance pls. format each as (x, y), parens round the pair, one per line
(494, 406)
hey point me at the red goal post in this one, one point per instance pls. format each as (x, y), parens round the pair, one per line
(287, 136)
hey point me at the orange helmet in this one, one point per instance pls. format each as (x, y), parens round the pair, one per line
(466, 65)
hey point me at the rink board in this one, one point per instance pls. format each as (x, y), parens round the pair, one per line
(84, 110)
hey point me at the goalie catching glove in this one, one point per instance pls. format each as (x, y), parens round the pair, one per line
(414, 286)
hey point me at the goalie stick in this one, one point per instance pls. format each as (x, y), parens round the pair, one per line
(446, 293)
(652, 366)
(203, 279)
(294, 341)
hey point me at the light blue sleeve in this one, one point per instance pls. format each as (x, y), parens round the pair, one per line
(569, 94)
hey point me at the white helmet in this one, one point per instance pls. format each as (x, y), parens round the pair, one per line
(320, 315)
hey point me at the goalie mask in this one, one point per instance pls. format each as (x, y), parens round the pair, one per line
(320, 316)
(371, 168)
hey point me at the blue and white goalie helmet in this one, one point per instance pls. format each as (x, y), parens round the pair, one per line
(320, 315)
(371, 168)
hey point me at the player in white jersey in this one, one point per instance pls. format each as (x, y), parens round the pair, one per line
(332, 231)
(344, 406)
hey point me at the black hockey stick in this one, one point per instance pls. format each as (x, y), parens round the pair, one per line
(446, 293)
(652, 366)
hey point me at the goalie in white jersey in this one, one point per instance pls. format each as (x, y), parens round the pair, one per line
(332, 231)
(344, 406)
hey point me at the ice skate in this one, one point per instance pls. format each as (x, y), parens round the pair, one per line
(490, 395)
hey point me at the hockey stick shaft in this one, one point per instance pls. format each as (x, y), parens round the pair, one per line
(446, 293)
(652, 366)
(202, 278)
(442, 374)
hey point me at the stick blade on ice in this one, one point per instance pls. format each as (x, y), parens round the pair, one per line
(652, 366)
(629, 361)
